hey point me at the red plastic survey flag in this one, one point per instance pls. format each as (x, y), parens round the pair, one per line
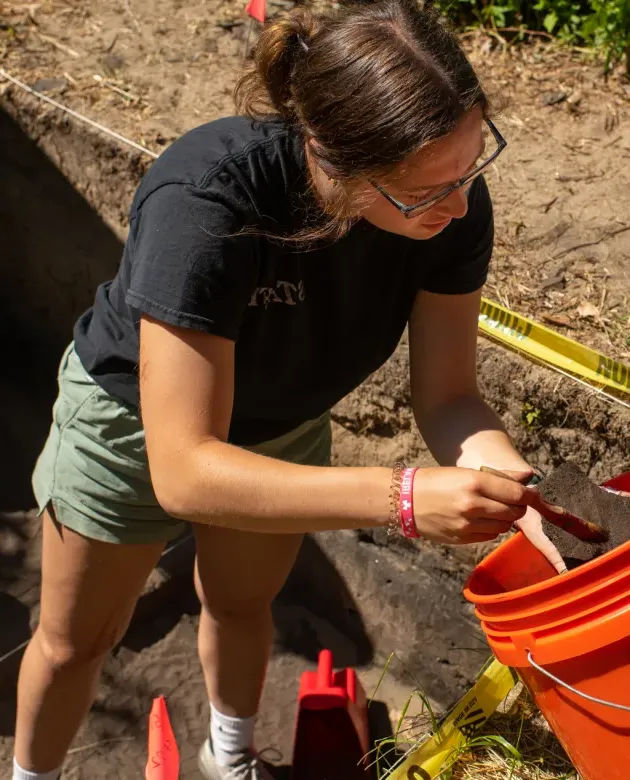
(163, 763)
(257, 9)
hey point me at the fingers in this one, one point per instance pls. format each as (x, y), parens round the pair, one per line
(519, 476)
(541, 542)
(537, 502)
(495, 510)
(504, 490)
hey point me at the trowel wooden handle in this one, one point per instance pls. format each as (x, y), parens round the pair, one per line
(497, 473)
(489, 470)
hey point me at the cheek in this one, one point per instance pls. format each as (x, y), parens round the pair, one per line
(386, 217)
(383, 215)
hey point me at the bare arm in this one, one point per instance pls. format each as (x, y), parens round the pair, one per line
(456, 423)
(186, 389)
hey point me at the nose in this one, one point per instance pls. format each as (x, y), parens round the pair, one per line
(455, 205)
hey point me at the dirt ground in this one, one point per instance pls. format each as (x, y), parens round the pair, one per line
(152, 70)
(155, 69)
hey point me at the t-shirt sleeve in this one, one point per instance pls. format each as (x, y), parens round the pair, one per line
(463, 251)
(189, 266)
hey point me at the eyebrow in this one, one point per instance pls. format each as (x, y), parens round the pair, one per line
(448, 183)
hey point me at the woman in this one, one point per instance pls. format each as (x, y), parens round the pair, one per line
(271, 266)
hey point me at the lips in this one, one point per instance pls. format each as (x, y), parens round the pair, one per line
(437, 225)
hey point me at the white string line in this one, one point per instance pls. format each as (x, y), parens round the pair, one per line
(76, 115)
(539, 361)
(124, 140)
(144, 149)
(14, 651)
(166, 552)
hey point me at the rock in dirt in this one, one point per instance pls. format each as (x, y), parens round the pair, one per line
(570, 488)
(51, 86)
(553, 98)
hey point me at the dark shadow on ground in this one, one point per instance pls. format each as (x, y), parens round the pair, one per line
(54, 250)
(14, 630)
(315, 587)
(13, 541)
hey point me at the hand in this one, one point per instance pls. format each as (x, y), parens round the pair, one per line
(531, 525)
(464, 506)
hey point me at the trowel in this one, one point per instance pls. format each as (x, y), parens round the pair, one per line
(579, 527)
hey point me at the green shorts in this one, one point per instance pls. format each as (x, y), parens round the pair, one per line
(94, 470)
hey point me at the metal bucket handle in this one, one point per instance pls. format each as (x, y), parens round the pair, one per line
(563, 684)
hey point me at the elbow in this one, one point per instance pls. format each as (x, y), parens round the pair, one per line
(174, 500)
(174, 490)
(184, 483)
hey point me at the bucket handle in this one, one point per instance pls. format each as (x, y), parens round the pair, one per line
(560, 682)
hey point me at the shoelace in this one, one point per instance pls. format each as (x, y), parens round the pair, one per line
(247, 771)
(250, 770)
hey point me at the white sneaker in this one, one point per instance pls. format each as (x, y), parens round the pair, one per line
(246, 767)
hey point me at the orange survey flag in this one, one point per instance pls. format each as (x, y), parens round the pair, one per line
(257, 9)
(163, 763)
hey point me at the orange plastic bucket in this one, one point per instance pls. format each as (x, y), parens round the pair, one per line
(569, 638)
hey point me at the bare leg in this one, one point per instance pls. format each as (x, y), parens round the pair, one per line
(89, 591)
(237, 576)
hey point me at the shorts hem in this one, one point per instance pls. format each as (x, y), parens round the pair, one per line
(69, 517)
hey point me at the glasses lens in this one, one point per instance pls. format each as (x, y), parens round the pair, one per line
(429, 199)
(421, 200)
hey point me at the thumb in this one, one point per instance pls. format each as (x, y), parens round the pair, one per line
(519, 476)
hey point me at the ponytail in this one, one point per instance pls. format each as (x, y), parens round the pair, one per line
(283, 45)
(367, 86)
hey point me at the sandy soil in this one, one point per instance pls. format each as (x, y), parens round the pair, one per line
(152, 70)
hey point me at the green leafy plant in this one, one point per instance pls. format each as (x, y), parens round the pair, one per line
(603, 25)
(530, 415)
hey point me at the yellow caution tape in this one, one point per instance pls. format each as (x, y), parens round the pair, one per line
(547, 346)
(468, 716)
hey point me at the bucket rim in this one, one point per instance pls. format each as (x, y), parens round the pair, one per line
(531, 590)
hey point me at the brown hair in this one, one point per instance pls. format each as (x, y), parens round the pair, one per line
(370, 85)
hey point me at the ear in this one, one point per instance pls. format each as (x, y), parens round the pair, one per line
(316, 152)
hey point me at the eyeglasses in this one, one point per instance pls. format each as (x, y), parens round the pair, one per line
(409, 211)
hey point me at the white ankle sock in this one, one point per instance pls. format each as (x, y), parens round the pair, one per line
(230, 737)
(23, 774)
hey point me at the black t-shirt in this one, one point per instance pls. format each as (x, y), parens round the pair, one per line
(309, 326)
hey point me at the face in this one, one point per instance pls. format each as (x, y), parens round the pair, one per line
(427, 172)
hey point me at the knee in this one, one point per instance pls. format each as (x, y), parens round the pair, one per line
(254, 613)
(63, 653)
(225, 607)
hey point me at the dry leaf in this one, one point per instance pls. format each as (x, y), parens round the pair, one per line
(558, 319)
(586, 309)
